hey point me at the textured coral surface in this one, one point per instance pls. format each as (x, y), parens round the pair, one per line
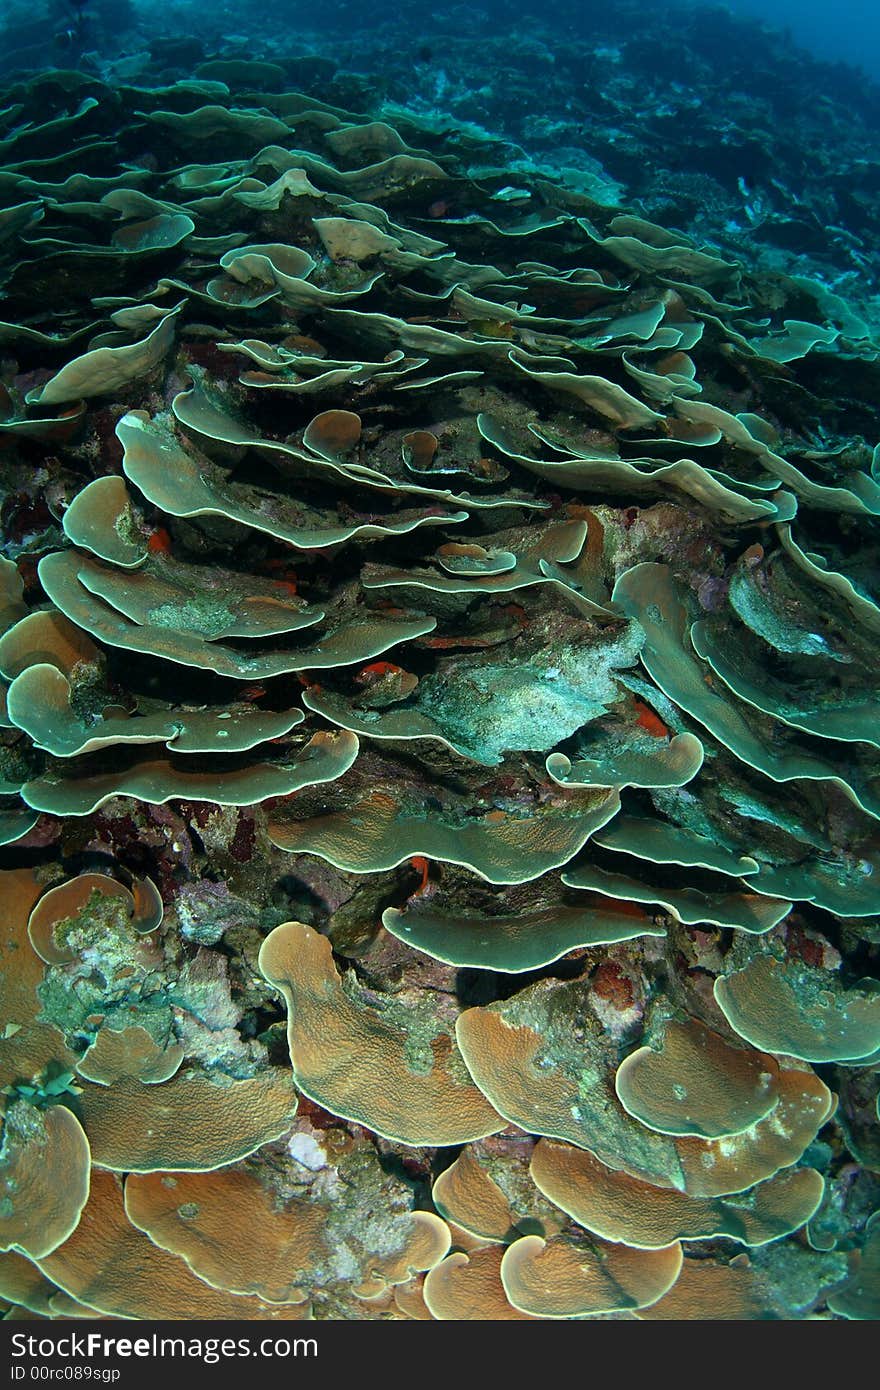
(439, 744)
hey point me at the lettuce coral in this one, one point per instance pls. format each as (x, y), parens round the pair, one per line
(458, 581)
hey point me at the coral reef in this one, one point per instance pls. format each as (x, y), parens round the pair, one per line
(440, 783)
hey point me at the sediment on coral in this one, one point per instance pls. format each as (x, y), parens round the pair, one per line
(440, 782)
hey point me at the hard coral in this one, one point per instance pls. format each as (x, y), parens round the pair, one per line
(459, 562)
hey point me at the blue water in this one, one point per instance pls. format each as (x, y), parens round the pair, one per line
(847, 31)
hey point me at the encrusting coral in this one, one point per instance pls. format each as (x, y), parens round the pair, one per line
(440, 720)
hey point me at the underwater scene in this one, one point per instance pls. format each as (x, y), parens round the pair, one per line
(439, 725)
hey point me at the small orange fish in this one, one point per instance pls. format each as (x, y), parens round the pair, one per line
(306, 681)
(159, 542)
(649, 721)
(422, 867)
(376, 670)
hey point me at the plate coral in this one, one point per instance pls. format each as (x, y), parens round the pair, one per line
(440, 782)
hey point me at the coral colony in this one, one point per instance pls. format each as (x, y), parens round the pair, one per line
(439, 760)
